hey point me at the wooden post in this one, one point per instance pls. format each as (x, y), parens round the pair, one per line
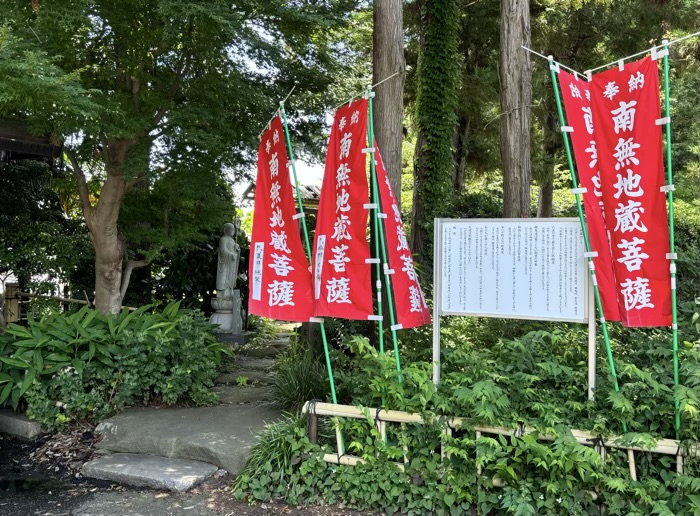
(10, 309)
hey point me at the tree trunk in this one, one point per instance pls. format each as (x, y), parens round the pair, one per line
(388, 59)
(436, 105)
(461, 154)
(545, 198)
(516, 94)
(101, 220)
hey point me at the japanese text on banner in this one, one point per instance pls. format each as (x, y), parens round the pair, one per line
(630, 157)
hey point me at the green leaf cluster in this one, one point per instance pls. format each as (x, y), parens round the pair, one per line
(87, 366)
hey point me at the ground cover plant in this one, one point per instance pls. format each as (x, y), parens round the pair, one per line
(493, 378)
(86, 366)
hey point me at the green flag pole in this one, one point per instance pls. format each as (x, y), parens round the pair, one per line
(381, 236)
(672, 255)
(307, 245)
(584, 229)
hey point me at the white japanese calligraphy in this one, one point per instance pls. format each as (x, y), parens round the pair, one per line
(340, 228)
(268, 146)
(588, 119)
(281, 264)
(636, 294)
(415, 298)
(338, 290)
(276, 137)
(575, 92)
(625, 152)
(355, 117)
(281, 293)
(408, 266)
(628, 217)
(593, 151)
(279, 241)
(611, 89)
(345, 143)
(632, 254)
(397, 213)
(339, 258)
(276, 219)
(275, 193)
(274, 165)
(636, 81)
(628, 185)
(624, 116)
(341, 123)
(401, 236)
(342, 175)
(341, 201)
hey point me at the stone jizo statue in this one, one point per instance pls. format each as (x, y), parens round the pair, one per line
(229, 257)
(227, 303)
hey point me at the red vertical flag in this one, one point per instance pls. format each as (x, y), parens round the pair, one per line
(630, 157)
(580, 118)
(280, 279)
(342, 280)
(411, 309)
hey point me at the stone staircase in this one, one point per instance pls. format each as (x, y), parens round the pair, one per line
(178, 448)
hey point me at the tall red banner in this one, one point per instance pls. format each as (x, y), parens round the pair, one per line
(411, 309)
(342, 279)
(577, 103)
(625, 105)
(280, 279)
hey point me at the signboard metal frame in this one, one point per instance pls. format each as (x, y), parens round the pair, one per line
(588, 306)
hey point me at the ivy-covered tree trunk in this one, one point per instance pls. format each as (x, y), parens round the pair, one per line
(436, 102)
(388, 59)
(515, 73)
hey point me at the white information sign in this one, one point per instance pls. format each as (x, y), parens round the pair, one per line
(511, 268)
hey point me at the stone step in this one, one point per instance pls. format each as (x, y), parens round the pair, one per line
(248, 377)
(235, 395)
(19, 425)
(269, 351)
(149, 471)
(221, 435)
(248, 363)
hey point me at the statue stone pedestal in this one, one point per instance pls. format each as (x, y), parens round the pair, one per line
(227, 313)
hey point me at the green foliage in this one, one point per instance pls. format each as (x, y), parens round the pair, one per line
(436, 102)
(86, 366)
(299, 376)
(35, 235)
(491, 378)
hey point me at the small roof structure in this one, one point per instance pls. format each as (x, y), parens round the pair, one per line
(310, 195)
(16, 142)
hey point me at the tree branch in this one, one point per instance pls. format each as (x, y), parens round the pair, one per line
(126, 276)
(83, 191)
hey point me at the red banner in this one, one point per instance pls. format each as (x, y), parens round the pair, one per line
(579, 117)
(342, 280)
(411, 309)
(630, 157)
(280, 279)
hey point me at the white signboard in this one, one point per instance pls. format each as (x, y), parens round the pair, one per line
(511, 268)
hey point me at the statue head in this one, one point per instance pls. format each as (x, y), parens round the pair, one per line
(237, 223)
(229, 229)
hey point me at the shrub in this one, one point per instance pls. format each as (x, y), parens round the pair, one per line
(87, 366)
(299, 376)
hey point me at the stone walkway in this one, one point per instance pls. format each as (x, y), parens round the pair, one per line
(178, 448)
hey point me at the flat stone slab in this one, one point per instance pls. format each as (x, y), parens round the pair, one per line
(221, 435)
(149, 471)
(19, 425)
(247, 376)
(272, 350)
(254, 364)
(235, 395)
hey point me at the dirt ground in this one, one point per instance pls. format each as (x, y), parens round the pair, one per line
(42, 478)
